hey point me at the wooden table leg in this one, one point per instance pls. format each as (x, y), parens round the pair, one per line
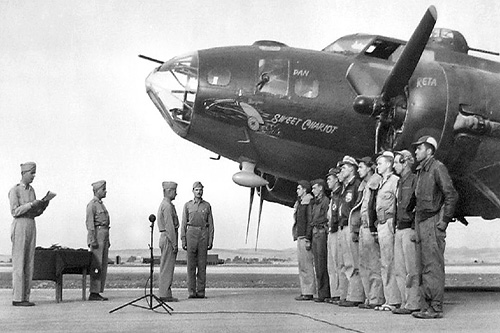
(84, 283)
(59, 287)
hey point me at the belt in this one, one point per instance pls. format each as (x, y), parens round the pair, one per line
(101, 226)
(197, 226)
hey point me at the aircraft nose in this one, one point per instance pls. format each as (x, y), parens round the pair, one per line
(172, 87)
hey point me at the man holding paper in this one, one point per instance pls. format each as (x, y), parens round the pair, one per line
(24, 208)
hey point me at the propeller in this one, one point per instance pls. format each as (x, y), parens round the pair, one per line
(252, 193)
(381, 105)
(261, 203)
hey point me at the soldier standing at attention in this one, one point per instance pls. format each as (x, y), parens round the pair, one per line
(369, 248)
(319, 223)
(24, 208)
(168, 223)
(386, 212)
(97, 221)
(338, 283)
(197, 235)
(436, 199)
(405, 258)
(302, 233)
(349, 232)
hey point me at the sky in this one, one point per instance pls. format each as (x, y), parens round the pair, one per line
(72, 99)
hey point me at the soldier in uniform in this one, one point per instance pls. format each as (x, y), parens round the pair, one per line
(168, 223)
(349, 232)
(405, 258)
(302, 233)
(436, 199)
(24, 208)
(97, 221)
(369, 248)
(197, 235)
(338, 282)
(319, 223)
(386, 211)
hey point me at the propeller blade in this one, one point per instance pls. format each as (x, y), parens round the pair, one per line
(261, 203)
(407, 62)
(252, 192)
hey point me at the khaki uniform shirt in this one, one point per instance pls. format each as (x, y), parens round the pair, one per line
(97, 216)
(20, 197)
(168, 221)
(198, 213)
(386, 198)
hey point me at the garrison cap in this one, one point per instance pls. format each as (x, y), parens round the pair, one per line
(97, 185)
(169, 185)
(197, 185)
(305, 185)
(28, 166)
(426, 139)
(349, 160)
(319, 182)
(367, 160)
(388, 154)
(333, 172)
(407, 156)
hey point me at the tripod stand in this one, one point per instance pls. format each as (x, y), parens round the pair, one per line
(149, 296)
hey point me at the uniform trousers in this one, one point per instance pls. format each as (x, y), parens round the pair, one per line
(306, 268)
(338, 282)
(319, 248)
(167, 265)
(431, 253)
(23, 237)
(369, 267)
(197, 248)
(349, 265)
(386, 241)
(405, 262)
(99, 266)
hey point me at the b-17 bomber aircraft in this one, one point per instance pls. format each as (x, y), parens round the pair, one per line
(286, 114)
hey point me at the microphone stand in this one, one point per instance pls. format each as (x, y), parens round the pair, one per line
(149, 296)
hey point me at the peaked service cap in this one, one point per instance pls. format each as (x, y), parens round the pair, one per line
(407, 156)
(349, 160)
(426, 139)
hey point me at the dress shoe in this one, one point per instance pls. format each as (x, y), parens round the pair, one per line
(169, 299)
(320, 299)
(22, 303)
(427, 314)
(304, 298)
(404, 311)
(97, 297)
(349, 304)
(368, 306)
(192, 296)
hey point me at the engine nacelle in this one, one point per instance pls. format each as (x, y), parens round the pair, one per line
(279, 190)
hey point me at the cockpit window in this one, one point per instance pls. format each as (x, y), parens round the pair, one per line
(273, 76)
(348, 45)
(384, 49)
(219, 77)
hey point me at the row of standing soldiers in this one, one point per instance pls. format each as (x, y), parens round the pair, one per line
(378, 242)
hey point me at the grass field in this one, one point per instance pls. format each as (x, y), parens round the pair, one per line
(214, 280)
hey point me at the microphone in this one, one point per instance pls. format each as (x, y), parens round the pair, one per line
(152, 218)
